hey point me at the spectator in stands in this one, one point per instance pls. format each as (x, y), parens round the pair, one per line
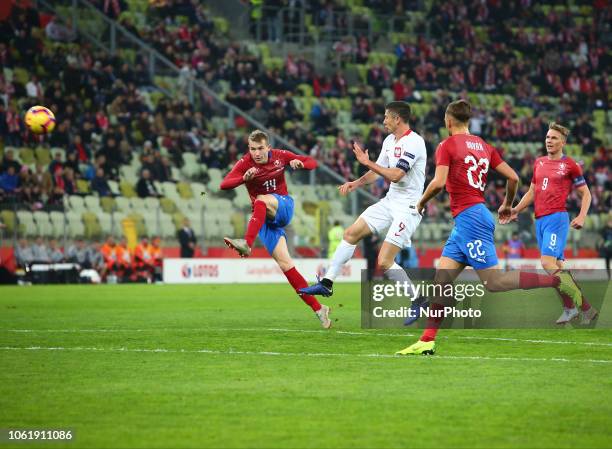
(14, 125)
(57, 190)
(9, 161)
(207, 156)
(80, 149)
(187, 239)
(514, 247)
(9, 183)
(56, 162)
(70, 184)
(40, 251)
(78, 253)
(96, 259)
(165, 174)
(259, 113)
(157, 169)
(110, 150)
(73, 163)
(100, 184)
(55, 253)
(34, 88)
(24, 256)
(145, 186)
(57, 31)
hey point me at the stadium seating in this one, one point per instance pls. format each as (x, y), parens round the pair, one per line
(184, 198)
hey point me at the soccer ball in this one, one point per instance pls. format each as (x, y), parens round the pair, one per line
(40, 120)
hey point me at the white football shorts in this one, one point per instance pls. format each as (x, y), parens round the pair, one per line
(398, 221)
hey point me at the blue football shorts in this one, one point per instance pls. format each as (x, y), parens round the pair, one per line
(472, 240)
(273, 229)
(551, 232)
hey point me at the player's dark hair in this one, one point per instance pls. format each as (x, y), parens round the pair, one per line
(460, 110)
(258, 136)
(560, 128)
(400, 108)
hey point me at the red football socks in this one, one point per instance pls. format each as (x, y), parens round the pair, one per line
(297, 281)
(528, 280)
(567, 301)
(433, 324)
(256, 222)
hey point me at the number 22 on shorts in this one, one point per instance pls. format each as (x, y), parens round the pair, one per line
(475, 249)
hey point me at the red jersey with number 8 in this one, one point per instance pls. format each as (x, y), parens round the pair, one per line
(553, 180)
(469, 159)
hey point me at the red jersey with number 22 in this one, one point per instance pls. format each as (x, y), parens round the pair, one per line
(469, 159)
(553, 180)
(269, 178)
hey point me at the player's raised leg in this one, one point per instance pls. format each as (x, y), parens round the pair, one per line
(264, 207)
(344, 252)
(297, 281)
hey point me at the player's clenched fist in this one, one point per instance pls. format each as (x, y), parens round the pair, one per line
(577, 223)
(249, 174)
(347, 187)
(296, 164)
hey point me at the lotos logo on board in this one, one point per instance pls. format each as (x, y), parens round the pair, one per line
(200, 271)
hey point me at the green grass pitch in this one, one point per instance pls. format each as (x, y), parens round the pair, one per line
(249, 366)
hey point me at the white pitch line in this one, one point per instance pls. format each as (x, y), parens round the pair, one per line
(297, 354)
(309, 331)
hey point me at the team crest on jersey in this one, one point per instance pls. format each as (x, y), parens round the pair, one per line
(277, 162)
(562, 167)
(398, 151)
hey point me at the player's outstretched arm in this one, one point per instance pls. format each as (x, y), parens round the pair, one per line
(298, 161)
(512, 182)
(435, 186)
(585, 195)
(235, 177)
(364, 180)
(393, 174)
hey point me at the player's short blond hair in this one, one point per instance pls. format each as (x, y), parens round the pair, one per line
(258, 136)
(559, 128)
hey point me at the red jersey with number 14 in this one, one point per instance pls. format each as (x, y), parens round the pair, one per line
(269, 178)
(553, 180)
(469, 159)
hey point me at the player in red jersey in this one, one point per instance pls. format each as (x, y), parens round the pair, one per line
(262, 170)
(462, 163)
(554, 176)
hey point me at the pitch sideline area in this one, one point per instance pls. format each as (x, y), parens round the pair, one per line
(133, 366)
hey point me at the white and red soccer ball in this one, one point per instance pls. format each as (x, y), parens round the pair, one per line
(40, 120)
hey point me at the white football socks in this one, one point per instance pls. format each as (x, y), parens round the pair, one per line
(343, 254)
(398, 274)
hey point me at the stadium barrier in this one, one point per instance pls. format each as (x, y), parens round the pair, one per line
(247, 271)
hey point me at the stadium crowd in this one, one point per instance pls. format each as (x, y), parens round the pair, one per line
(103, 115)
